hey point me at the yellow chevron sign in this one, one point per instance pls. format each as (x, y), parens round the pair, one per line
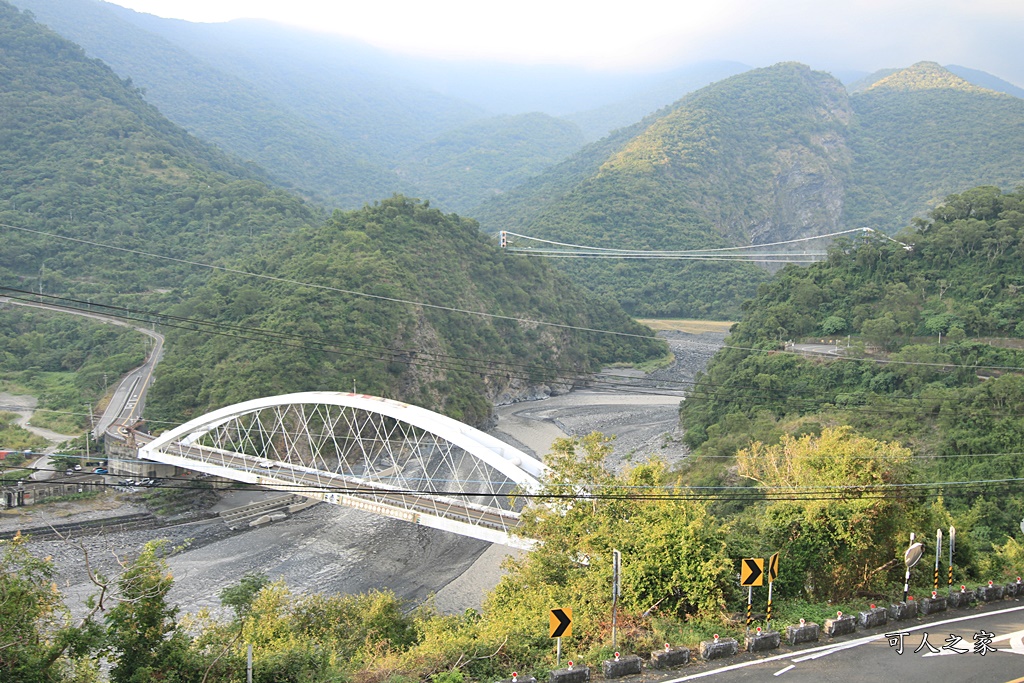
(752, 571)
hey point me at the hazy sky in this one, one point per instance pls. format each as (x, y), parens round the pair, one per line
(646, 34)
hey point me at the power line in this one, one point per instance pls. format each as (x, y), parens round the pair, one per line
(481, 366)
(616, 492)
(328, 288)
(261, 334)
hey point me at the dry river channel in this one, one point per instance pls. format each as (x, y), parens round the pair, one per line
(335, 549)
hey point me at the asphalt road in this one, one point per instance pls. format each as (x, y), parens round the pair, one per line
(129, 398)
(874, 656)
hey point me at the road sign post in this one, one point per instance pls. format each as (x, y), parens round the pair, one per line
(750, 603)
(751, 574)
(938, 554)
(560, 623)
(773, 571)
(952, 543)
(616, 588)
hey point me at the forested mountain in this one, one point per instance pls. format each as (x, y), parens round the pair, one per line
(329, 118)
(85, 158)
(922, 133)
(771, 154)
(943, 316)
(972, 76)
(83, 155)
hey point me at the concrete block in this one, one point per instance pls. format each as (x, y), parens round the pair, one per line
(577, 674)
(670, 658)
(961, 600)
(989, 593)
(626, 665)
(765, 640)
(877, 616)
(310, 502)
(804, 633)
(716, 649)
(840, 625)
(901, 611)
(1013, 590)
(933, 605)
(519, 679)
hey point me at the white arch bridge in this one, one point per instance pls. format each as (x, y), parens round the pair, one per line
(365, 452)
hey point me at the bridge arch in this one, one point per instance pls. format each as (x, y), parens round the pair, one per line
(367, 452)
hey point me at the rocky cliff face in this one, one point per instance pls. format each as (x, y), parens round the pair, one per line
(805, 176)
(806, 194)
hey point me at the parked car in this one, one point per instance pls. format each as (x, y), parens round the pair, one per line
(100, 470)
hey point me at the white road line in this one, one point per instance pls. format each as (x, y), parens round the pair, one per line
(782, 671)
(824, 650)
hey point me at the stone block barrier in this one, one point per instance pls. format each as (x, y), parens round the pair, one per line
(765, 640)
(626, 665)
(840, 626)
(961, 599)
(933, 605)
(901, 611)
(670, 657)
(577, 674)
(716, 649)
(989, 593)
(874, 617)
(803, 633)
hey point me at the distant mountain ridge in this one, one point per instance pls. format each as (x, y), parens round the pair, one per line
(925, 76)
(972, 76)
(771, 154)
(344, 123)
(330, 118)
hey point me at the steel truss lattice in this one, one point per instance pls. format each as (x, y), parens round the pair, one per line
(363, 451)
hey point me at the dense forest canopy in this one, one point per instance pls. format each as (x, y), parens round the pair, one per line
(935, 359)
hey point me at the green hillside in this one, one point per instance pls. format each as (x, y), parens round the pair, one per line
(936, 357)
(327, 118)
(922, 133)
(768, 155)
(396, 249)
(223, 108)
(85, 158)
